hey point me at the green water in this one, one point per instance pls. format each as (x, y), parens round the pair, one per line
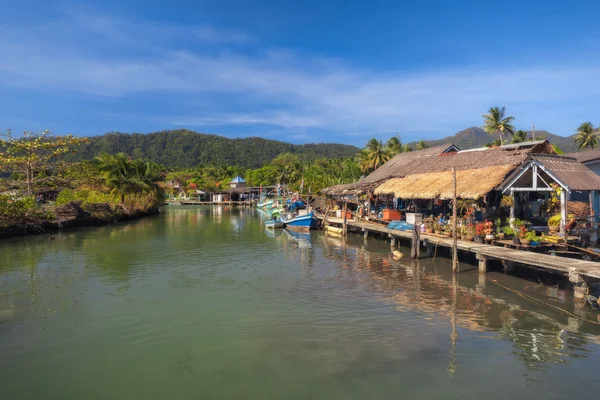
(202, 303)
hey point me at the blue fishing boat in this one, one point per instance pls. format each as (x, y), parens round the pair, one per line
(302, 223)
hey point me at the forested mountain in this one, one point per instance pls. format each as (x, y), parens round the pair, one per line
(476, 137)
(185, 149)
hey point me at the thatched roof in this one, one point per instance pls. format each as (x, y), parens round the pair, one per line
(434, 159)
(470, 183)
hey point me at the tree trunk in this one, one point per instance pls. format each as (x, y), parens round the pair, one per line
(29, 174)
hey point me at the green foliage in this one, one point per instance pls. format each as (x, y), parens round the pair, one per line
(373, 156)
(86, 197)
(21, 210)
(184, 149)
(507, 230)
(587, 137)
(497, 123)
(32, 152)
(519, 136)
(554, 220)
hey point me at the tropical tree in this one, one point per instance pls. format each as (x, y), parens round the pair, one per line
(587, 137)
(421, 145)
(289, 168)
(406, 148)
(519, 136)
(33, 152)
(373, 156)
(394, 145)
(497, 123)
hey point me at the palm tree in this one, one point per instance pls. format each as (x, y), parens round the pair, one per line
(421, 145)
(497, 123)
(519, 137)
(394, 145)
(406, 148)
(116, 173)
(373, 156)
(586, 136)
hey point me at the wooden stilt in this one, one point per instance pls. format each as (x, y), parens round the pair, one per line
(563, 212)
(345, 225)
(416, 243)
(454, 220)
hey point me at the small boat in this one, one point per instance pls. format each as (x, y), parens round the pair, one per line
(273, 223)
(335, 230)
(302, 223)
(265, 204)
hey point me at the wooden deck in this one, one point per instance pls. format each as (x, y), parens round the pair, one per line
(485, 252)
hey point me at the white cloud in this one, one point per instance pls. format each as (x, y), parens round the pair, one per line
(278, 88)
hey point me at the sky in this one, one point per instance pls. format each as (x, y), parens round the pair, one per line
(303, 72)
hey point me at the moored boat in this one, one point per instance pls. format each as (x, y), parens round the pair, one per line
(273, 223)
(302, 223)
(265, 204)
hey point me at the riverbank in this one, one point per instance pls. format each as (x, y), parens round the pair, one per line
(72, 215)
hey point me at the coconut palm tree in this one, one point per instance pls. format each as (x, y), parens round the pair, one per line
(586, 137)
(421, 145)
(519, 136)
(406, 148)
(497, 123)
(394, 145)
(373, 156)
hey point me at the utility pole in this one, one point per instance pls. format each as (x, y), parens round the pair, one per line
(533, 132)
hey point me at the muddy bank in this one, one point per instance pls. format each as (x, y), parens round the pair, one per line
(80, 219)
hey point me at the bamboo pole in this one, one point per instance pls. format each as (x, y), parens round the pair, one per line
(454, 220)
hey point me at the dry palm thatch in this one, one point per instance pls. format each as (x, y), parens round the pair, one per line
(470, 184)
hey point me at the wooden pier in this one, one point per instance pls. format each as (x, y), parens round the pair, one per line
(575, 269)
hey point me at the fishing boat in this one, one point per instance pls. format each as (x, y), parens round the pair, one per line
(273, 223)
(264, 203)
(302, 223)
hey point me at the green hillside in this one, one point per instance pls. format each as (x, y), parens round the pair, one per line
(185, 149)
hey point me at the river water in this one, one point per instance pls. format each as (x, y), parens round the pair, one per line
(203, 303)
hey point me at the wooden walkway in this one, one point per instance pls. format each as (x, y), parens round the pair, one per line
(485, 252)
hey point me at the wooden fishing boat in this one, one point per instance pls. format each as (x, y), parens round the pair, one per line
(265, 204)
(302, 223)
(334, 230)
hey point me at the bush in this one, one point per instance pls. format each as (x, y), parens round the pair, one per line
(86, 197)
(21, 210)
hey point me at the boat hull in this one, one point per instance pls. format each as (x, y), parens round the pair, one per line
(301, 223)
(268, 204)
(274, 224)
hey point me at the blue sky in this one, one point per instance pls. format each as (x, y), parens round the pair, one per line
(310, 71)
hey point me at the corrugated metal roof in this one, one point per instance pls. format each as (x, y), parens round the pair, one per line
(570, 172)
(585, 156)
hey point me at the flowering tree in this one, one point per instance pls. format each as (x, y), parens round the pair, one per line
(33, 151)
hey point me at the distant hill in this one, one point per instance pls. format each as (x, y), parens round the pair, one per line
(185, 149)
(474, 137)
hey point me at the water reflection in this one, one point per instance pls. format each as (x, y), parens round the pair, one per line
(468, 300)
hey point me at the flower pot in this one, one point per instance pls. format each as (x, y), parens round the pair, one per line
(501, 236)
(516, 240)
(490, 237)
(525, 242)
(428, 230)
(448, 234)
(478, 239)
(554, 229)
(438, 232)
(469, 238)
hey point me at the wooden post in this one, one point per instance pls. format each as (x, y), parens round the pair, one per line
(511, 220)
(345, 227)
(454, 220)
(482, 263)
(563, 212)
(593, 217)
(392, 242)
(365, 234)
(415, 250)
(325, 217)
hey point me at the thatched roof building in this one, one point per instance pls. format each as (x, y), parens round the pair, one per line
(478, 172)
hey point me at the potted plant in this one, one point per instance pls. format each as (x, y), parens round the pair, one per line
(469, 232)
(554, 223)
(520, 236)
(499, 232)
(463, 231)
(428, 224)
(506, 201)
(488, 230)
(508, 232)
(448, 230)
(529, 237)
(479, 232)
